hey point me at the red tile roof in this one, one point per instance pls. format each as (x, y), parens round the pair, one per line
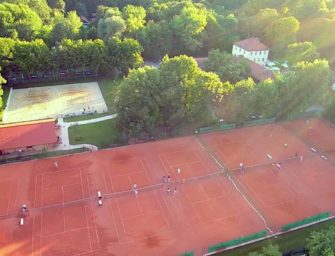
(259, 72)
(252, 44)
(20, 135)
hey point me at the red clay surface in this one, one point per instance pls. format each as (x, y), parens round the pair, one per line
(201, 213)
(65, 218)
(27, 134)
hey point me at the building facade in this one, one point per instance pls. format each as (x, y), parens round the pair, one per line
(252, 49)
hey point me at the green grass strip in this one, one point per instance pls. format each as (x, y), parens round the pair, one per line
(237, 241)
(305, 221)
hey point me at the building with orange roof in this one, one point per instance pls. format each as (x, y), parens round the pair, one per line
(20, 137)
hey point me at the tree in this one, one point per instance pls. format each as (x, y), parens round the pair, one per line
(282, 32)
(65, 27)
(176, 93)
(221, 32)
(265, 99)
(305, 86)
(57, 4)
(270, 250)
(304, 51)
(188, 27)
(123, 55)
(134, 17)
(226, 66)
(31, 57)
(322, 243)
(111, 26)
(18, 21)
(307, 9)
(6, 50)
(238, 103)
(256, 25)
(156, 39)
(41, 7)
(137, 102)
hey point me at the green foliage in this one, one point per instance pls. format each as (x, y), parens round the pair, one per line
(134, 17)
(156, 39)
(282, 32)
(305, 86)
(65, 27)
(111, 26)
(57, 4)
(227, 66)
(41, 7)
(18, 21)
(298, 52)
(2, 81)
(123, 55)
(175, 93)
(6, 50)
(188, 26)
(31, 57)
(322, 243)
(221, 32)
(270, 250)
(256, 25)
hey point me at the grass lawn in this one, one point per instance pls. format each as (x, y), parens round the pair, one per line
(101, 134)
(84, 117)
(286, 242)
(109, 90)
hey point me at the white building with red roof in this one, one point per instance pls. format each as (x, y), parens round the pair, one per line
(252, 49)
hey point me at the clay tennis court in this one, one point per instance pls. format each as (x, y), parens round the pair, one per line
(208, 207)
(53, 101)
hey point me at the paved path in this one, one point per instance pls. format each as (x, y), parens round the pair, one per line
(63, 133)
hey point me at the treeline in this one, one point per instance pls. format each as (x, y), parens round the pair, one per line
(179, 93)
(296, 31)
(30, 58)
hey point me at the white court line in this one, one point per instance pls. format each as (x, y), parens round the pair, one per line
(236, 187)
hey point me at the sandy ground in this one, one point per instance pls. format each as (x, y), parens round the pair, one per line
(54, 101)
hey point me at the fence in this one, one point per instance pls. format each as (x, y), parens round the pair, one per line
(259, 122)
(220, 127)
(237, 241)
(305, 221)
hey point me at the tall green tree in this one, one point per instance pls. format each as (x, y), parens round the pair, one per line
(134, 17)
(238, 103)
(221, 32)
(226, 66)
(6, 50)
(65, 27)
(41, 7)
(256, 25)
(156, 39)
(123, 55)
(282, 32)
(305, 86)
(18, 21)
(322, 243)
(111, 26)
(138, 99)
(31, 57)
(188, 27)
(302, 51)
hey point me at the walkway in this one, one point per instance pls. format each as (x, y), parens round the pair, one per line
(63, 133)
